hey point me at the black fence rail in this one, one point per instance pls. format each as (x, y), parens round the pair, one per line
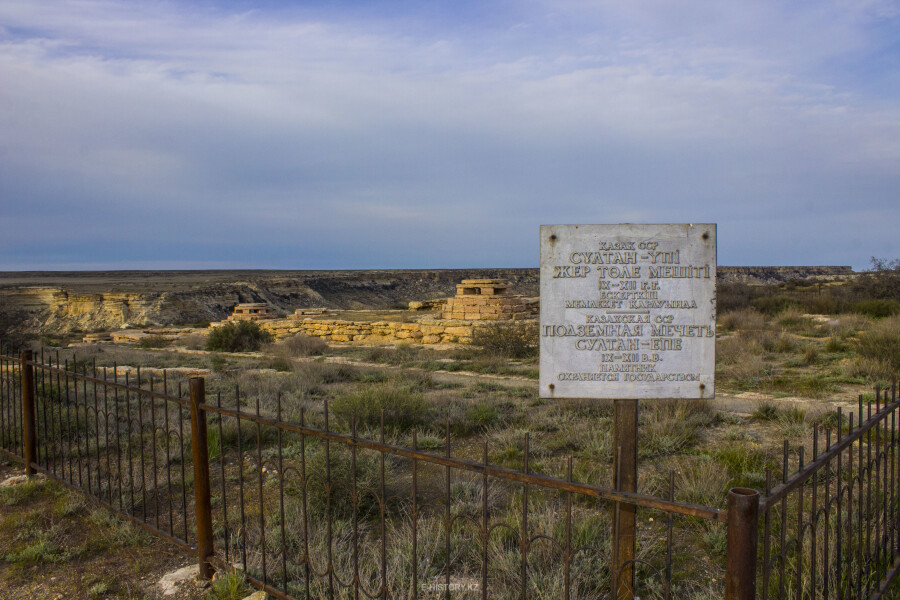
(308, 509)
(831, 529)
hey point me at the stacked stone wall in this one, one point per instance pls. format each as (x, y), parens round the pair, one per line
(374, 332)
(484, 308)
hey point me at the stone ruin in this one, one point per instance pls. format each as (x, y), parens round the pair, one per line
(251, 311)
(484, 300)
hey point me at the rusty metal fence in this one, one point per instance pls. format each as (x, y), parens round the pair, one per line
(308, 510)
(119, 438)
(831, 526)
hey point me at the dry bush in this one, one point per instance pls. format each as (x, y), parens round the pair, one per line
(300, 345)
(871, 369)
(792, 318)
(740, 358)
(193, 341)
(810, 354)
(513, 339)
(735, 349)
(770, 341)
(745, 319)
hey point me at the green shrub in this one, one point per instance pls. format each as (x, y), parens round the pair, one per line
(882, 343)
(772, 305)
(153, 341)
(238, 337)
(877, 308)
(404, 406)
(511, 339)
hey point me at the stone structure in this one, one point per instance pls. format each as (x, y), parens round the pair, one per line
(255, 311)
(484, 300)
(425, 331)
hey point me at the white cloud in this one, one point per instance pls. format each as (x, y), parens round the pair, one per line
(398, 132)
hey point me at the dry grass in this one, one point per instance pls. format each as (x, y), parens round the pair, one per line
(745, 319)
(882, 342)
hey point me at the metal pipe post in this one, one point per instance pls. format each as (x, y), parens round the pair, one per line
(28, 424)
(201, 477)
(625, 433)
(743, 525)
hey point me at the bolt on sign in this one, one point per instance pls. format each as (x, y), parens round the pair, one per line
(628, 311)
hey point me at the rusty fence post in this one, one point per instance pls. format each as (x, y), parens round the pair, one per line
(743, 525)
(201, 477)
(29, 430)
(625, 457)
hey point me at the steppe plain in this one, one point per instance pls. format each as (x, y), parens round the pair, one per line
(782, 368)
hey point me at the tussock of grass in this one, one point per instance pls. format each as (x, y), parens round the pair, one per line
(745, 464)
(700, 480)
(669, 427)
(882, 343)
(742, 320)
(830, 420)
(766, 412)
(404, 406)
(230, 586)
(835, 345)
(868, 369)
(38, 552)
(19, 494)
(118, 532)
(810, 354)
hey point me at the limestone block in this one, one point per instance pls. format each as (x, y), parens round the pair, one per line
(431, 339)
(472, 316)
(432, 329)
(339, 337)
(459, 331)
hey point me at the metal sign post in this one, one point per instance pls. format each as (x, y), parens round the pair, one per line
(627, 313)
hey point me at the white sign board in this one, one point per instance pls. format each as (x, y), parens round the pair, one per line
(628, 311)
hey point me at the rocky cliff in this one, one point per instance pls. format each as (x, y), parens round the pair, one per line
(63, 302)
(59, 302)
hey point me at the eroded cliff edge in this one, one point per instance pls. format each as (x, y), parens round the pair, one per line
(60, 302)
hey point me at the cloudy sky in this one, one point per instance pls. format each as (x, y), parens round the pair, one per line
(437, 134)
